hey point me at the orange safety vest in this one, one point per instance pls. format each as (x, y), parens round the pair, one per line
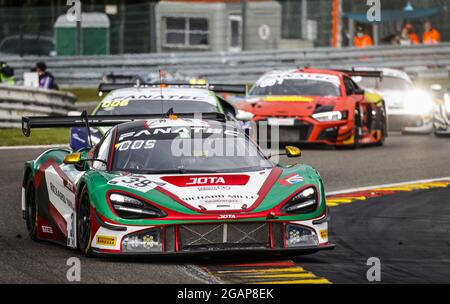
(363, 41)
(413, 38)
(431, 37)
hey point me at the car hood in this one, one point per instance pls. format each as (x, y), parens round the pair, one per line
(219, 192)
(202, 192)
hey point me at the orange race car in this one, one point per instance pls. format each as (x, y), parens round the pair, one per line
(317, 106)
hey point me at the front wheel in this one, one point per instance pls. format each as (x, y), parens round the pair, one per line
(383, 130)
(357, 129)
(84, 223)
(31, 209)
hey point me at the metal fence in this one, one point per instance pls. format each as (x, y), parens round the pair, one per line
(17, 101)
(133, 27)
(244, 67)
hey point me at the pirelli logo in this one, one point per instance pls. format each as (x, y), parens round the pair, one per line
(324, 234)
(106, 240)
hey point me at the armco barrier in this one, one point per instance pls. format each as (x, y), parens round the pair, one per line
(425, 61)
(18, 101)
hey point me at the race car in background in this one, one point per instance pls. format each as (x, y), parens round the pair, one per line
(318, 107)
(134, 193)
(441, 118)
(129, 98)
(409, 109)
(151, 77)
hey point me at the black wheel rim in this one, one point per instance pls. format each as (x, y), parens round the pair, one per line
(31, 209)
(84, 222)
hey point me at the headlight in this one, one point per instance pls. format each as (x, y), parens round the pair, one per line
(328, 116)
(298, 236)
(303, 202)
(418, 102)
(131, 208)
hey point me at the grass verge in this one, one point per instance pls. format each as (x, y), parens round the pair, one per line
(84, 94)
(15, 137)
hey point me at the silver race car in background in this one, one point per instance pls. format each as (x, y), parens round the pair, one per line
(409, 109)
(441, 118)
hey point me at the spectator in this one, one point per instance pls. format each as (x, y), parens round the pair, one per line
(46, 79)
(430, 35)
(412, 36)
(6, 74)
(404, 38)
(362, 39)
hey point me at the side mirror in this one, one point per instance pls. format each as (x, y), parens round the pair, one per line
(244, 115)
(292, 151)
(72, 159)
(436, 87)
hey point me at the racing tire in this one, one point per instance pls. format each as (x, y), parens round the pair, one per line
(31, 209)
(84, 232)
(356, 129)
(383, 132)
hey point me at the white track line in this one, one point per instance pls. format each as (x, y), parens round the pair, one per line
(387, 185)
(33, 147)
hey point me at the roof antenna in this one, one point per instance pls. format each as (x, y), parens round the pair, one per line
(160, 90)
(84, 116)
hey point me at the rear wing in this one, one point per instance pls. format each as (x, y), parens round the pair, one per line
(218, 88)
(121, 78)
(362, 73)
(35, 122)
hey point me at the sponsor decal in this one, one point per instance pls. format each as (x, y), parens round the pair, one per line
(71, 231)
(226, 216)
(61, 196)
(47, 229)
(288, 99)
(221, 197)
(207, 180)
(135, 182)
(182, 131)
(214, 188)
(149, 97)
(106, 240)
(324, 234)
(291, 180)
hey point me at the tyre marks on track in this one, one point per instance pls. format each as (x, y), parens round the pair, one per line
(279, 272)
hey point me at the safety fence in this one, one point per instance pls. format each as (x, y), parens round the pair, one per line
(244, 67)
(18, 101)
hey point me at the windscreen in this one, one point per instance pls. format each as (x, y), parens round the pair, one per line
(386, 83)
(186, 149)
(129, 107)
(301, 84)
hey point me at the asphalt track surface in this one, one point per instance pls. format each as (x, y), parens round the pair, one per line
(409, 232)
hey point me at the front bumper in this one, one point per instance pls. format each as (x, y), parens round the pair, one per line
(306, 130)
(231, 252)
(221, 238)
(410, 123)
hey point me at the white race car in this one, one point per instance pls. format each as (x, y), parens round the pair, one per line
(409, 109)
(442, 113)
